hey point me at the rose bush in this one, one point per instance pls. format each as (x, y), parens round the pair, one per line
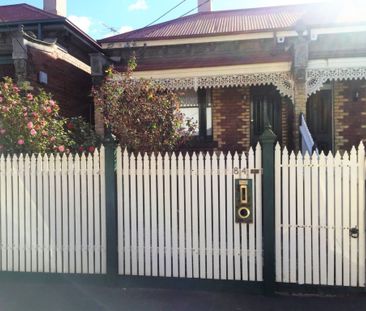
(143, 115)
(31, 123)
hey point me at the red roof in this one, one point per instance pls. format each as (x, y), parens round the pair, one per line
(24, 12)
(238, 21)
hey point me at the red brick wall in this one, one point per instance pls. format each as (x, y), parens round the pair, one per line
(69, 84)
(7, 70)
(231, 118)
(349, 115)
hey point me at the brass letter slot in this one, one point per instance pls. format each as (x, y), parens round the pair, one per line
(243, 201)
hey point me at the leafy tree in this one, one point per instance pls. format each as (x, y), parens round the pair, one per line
(142, 114)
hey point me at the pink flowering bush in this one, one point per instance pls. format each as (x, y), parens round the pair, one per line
(30, 123)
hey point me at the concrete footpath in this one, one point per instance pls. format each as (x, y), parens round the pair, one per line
(28, 296)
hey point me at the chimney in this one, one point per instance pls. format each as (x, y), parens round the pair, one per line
(204, 6)
(57, 7)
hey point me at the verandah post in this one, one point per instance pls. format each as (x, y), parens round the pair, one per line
(111, 205)
(268, 139)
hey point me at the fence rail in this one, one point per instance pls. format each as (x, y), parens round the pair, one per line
(176, 216)
(320, 201)
(52, 213)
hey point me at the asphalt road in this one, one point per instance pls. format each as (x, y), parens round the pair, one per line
(27, 296)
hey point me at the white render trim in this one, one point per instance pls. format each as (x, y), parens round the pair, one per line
(215, 71)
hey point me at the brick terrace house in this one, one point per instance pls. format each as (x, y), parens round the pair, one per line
(46, 49)
(239, 68)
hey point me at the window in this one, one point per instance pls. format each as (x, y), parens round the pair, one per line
(197, 107)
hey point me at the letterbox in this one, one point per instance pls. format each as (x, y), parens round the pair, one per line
(243, 201)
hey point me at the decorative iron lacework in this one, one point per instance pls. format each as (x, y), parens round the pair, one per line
(317, 77)
(281, 80)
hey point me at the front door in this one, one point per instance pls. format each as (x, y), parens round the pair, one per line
(266, 107)
(319, 119)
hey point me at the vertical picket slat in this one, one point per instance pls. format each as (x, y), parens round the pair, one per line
(195, 215)
(27, 201)
(361, 214)
(182, 245)
(167, 206)
(258, 214)
(147, 208)
(330, 218)
(300, 218)
(307, 219)
(208, 216)
(237, 251)
(315, 216)
(285, 217)
(9, 217)
(53, 263)
(46, 214)
(71, 220)
(154, 223)
(126, 212)
(229, 216)
(40, 224)
(3, 210)
(251, 228)
(97, 237)
(215, 218)
(322, 219)
(33, 212)
(103, 215)
(353, 218)
(78, 244)
(188, 210)
(140, 217)
(133, 211)
(161, 235)
(65, 216)
(175, 258)
(278, 213)
(338, 219)
(22, 216)
(91, 246)
(222, 217)
(292, 218)
(84, 215)
(201, 208)
(120, 209)
(15, 219)
(346, 218)
(244, 227)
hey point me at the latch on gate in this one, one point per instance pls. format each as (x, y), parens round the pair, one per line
(354, 232)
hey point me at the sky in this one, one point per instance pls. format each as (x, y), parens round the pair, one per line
(101, 19)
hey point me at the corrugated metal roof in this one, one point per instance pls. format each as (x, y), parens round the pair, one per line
(237, 21)
(24, 12)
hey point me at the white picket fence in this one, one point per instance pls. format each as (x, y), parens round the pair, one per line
(52, 214)
(176, 216)
(318, 200)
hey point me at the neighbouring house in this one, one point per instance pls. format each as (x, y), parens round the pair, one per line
(46, 49)
(238, 70)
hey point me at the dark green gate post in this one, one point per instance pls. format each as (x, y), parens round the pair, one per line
(268, 139)
(111, 205)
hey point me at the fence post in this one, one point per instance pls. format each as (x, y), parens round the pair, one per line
(111, 205)
(268, 139)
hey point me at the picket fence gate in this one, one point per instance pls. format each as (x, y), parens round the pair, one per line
(173, 215)
(176, 216)
(320, 218)
(52, 213)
